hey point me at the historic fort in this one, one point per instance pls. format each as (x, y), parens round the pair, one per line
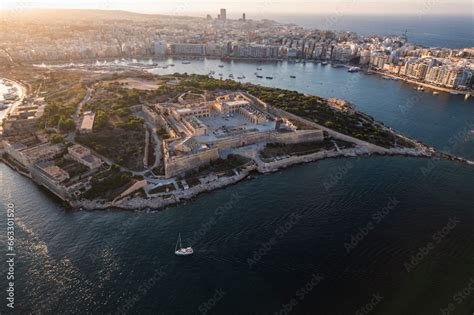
(202, 130)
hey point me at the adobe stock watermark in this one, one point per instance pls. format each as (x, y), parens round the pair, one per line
(300, 294)
(205, 307)
(337, 176)
(461, 136)
(96, 254)
(459, 298)
(280, 232)
(376, 218)
(334, 17)
(370, 306)
(427, 7)
(218, 214)
(425, 250)
(142, 290)
(10, 256)
(409, 103)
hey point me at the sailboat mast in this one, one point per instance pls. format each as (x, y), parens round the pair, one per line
(176, 247)
(180, 246)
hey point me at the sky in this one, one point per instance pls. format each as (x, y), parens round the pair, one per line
(237, 7)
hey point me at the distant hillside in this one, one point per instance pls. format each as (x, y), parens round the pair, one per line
(83, 14)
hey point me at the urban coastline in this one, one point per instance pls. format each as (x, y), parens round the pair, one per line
(439, 68)
(112, 134)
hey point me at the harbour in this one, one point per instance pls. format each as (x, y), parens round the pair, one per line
(330, 201)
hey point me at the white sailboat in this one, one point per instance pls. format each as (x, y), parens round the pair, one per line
(182, 251)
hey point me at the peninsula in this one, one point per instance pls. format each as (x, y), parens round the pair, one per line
(133, 140)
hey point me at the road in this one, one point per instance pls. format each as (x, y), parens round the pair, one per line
(77, 115)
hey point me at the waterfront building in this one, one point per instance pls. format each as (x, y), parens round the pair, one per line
(188, 49)
(256, 51)
(54, 172)
(27, 156)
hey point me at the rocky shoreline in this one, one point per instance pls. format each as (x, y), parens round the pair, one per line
(260, 167)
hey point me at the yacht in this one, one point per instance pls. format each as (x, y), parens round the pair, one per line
(354, 69)
(182, 251)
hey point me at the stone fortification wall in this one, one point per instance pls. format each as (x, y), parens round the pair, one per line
(179, 165)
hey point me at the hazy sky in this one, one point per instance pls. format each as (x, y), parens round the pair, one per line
(235, 8)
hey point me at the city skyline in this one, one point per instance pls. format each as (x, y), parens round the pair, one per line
(235, 8)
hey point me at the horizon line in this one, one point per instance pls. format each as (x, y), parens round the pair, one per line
(191, 14)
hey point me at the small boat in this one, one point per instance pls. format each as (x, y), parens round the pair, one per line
(467, 96)
(231, 76)
(221, 66)
(259, 69)
(435, 93)
(324, 63)
(353, 69)
(269, 78)
(182, 251)
(260, 76)
(240, 78)
(186, 62)
(171, 65)
(293, 76)
(420, 88)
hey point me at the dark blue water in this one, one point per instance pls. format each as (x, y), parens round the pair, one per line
(260, 243)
